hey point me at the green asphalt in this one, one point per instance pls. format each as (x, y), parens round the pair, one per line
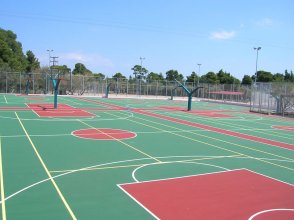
(47, 173)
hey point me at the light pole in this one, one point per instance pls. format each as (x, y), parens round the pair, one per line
(257, 49)
(49, 52)
(199, 64)
(141, 58)
(140, 75)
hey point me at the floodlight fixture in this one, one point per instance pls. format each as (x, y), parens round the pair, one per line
(257, 49)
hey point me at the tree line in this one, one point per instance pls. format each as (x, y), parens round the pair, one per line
(13, 59)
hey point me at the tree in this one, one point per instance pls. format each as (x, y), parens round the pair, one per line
(32, 62)
(222, 77)
(278, 77)
(11, 54)
(193, 78)
(80, 69)
(62, 69)
(139, 72)
(154, 76)
(210, 77)
(263, 76)
(246, 80)
(99, 75)
(171, 75)
(289, 77)
(118, 76)
(226, 78)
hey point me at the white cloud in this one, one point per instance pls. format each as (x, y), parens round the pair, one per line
(265, 22)
(222, 35)
(93, 60)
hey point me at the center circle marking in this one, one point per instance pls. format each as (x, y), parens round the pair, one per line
(285, 128)
(104, 134)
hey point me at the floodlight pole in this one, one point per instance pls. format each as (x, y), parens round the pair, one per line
(257, 49)
(141, 58)
(49, 52)
(199, 64)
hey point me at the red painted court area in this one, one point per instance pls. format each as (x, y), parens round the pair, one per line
(286, 128)
(104, 134)
(237, 195)
(63, 110)
(219, 130)
(227, 93)
(203, 113)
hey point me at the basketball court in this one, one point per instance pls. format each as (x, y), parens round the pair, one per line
(98, 158)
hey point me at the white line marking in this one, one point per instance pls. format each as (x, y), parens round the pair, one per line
(136, 181)
(269, 210)
(2, 185)
(46, 170)
(129, 115)
(139, 203)
(116, 162)
(269, 177)
(64, 174)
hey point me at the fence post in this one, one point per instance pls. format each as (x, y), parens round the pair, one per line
(127, 87)
(6, 82)
(33, 83)
(165, 87)
(83, 83)
(70, 74)
(156, 88)
(19, 83)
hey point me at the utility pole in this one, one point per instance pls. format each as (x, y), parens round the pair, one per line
(54, 61)
(199, 64)
(49, 51)
(140, 75)
(257, 49)
(141, 58)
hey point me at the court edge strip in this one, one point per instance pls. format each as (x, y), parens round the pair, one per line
(47, 171)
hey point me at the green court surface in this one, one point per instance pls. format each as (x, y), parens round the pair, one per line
(72, 162)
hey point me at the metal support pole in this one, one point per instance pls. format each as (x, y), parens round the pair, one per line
(199, 64)
(127, 86)
(6, 82)
(19, 83)
(257, 49)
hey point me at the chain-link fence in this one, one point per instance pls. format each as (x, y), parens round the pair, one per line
(273, 98)
(40, 83)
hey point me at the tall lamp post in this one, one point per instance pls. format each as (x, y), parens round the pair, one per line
(141, 58)
(199, 64)
(140, 75)
(49, 52)
(257, 49)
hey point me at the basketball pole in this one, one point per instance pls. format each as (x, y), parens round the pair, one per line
(189, 94)
(55, 83)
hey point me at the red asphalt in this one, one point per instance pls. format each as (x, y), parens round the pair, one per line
(285, 128)
(104, 134)
(101, 103)
(206, 127)
(82, 113)
(235, 195)
(219, 130)
(63, 110)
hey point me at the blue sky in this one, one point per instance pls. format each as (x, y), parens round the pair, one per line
(111, 36)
